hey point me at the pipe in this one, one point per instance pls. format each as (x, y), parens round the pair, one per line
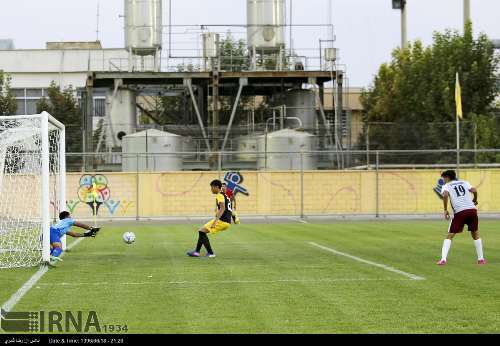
(233, 113)
(200, 120)
(170, 28)
(291, 27)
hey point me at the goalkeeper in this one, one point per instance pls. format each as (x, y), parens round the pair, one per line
(63, 227)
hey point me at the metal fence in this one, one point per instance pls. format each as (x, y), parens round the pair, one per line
(282, 160)
(352, 133)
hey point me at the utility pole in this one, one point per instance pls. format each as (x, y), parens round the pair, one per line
(404, 33)
(401, 5)
(467, 16)
(215, 102)
(98, 19)
(329, 19)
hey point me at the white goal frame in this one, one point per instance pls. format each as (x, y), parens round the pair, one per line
(45, 120)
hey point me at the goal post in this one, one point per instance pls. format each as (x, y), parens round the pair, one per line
(32, 186)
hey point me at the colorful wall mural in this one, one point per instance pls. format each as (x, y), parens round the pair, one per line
(150, 195)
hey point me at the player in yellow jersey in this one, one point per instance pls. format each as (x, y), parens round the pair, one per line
(221, 223)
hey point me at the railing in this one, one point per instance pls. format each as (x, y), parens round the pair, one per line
(224, 63)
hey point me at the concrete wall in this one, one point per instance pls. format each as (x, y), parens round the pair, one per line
(276, 193)
(57, 60)
(37, 68)
(43, 80)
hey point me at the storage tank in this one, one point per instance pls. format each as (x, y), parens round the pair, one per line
(284, 147)
(121, 109)
(161, 146)
(266, 20)
(331, 54)
(210, 42)
(189, 145)
(247, 149)
(143, 26)
(301, 104)
(210, 48)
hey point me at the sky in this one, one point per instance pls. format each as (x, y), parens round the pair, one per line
(366, 31)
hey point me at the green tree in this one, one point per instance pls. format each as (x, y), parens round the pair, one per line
(63, 105)
(8, 105)
(415, 92)
(233, 54)
(172, 109)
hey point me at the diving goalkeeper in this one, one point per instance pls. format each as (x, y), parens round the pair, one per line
(63, 227)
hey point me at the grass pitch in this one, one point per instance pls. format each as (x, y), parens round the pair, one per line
(269, 278)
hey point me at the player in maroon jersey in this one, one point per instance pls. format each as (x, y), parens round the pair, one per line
(463, 199)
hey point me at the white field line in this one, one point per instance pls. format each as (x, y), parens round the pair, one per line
(378, 265)
(28, 285)
(297, 219)
(180, 283)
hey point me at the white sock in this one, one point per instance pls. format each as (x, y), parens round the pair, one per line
(479, 249)
(446, 249)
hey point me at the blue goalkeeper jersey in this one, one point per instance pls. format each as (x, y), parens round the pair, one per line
(62, 227)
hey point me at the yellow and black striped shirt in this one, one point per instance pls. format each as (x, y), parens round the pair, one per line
(222, 198)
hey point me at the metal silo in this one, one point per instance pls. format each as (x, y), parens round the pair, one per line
(162, 150)
(266, 20)
(301, 104)
(283, 150)
(143, 26)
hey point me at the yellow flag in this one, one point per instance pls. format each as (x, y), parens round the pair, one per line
(458, 99)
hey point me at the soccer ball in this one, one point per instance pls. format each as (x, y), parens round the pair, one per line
(129, 237)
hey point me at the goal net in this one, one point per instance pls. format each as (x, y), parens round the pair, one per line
(32, 187)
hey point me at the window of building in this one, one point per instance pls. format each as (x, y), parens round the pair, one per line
(28, 98)
(99, 106)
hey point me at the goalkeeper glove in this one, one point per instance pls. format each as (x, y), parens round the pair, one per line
(92, 232)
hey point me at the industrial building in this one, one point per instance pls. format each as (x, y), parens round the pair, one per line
(308, 106)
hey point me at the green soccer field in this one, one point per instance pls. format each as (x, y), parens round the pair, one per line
(345, 277)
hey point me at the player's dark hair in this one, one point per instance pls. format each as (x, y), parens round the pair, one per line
(452, 175)
(64, 215)
(216, 183)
